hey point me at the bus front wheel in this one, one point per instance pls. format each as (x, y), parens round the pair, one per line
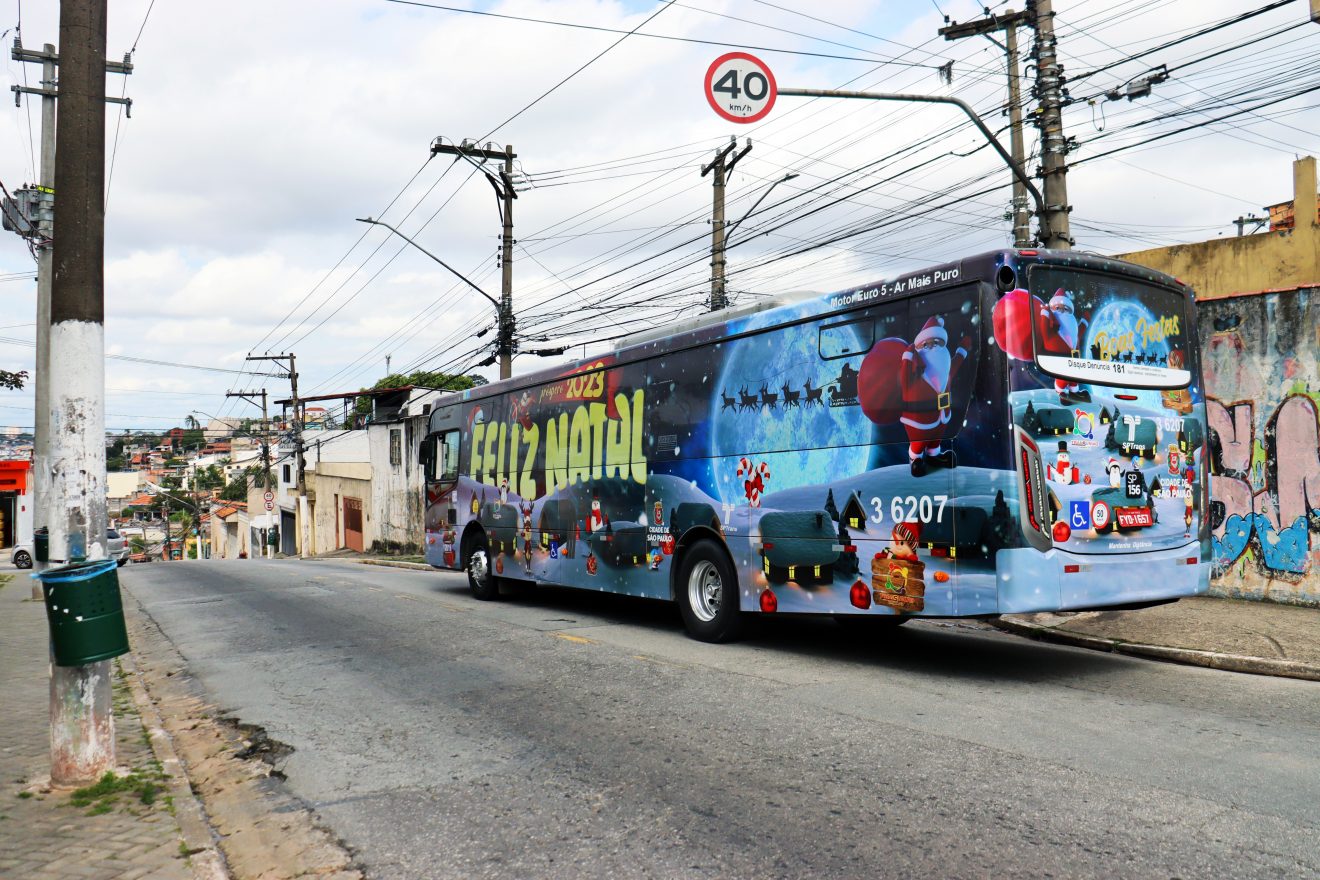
(481, 580)
(708, 594)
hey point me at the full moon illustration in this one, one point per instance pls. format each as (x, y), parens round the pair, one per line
(803, 445)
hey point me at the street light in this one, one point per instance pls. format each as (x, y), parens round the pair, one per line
(505, 335)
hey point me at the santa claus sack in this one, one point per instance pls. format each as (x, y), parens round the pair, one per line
(878, 389)
(1013, 317)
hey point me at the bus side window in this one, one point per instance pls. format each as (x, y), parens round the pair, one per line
(846, 338)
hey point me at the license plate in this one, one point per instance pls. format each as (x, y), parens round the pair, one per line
(1132, 518)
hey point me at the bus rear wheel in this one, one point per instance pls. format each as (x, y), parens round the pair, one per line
(708, 594)
(481, 579)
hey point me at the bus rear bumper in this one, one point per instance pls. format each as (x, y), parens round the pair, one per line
(1060, 581)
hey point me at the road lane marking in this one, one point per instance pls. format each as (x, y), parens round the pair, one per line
(577, 640)
(405, 596)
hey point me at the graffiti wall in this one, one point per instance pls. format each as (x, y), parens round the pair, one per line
(1263, 396)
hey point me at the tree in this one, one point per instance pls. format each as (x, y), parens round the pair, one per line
(191, 421)
(210, 477)
(234, 490)
(419, 379)
(193, 438)
(13, 381)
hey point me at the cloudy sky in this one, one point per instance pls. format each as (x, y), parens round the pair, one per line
(260, 131)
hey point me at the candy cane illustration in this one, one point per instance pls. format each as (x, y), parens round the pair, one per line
(754, 485)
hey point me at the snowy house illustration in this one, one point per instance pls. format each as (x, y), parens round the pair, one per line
(854, 513)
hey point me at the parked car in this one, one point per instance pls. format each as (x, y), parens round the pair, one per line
(115, 546)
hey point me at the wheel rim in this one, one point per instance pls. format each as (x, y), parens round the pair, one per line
(705, 591)
(478, 567)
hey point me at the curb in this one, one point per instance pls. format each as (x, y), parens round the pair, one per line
(390, 563)
(1188, 656)
(198, 837)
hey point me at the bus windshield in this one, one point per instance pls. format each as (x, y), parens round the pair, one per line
(1109, 329)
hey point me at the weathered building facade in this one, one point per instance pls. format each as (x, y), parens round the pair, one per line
(1260, 330)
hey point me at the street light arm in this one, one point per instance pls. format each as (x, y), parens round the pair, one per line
(1017, 170)
(452, 270)
(728, 235)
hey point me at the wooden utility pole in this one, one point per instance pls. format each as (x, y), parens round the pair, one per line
(1008, 22)
(722, 166)
(82, 723)
(502, 181)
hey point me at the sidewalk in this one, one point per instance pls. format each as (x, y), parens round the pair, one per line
(130, 833)
(1262, 638)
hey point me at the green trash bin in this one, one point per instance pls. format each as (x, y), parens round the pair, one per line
(41, 544)
(85, 613)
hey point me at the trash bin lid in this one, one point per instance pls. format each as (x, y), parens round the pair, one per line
(76, 571)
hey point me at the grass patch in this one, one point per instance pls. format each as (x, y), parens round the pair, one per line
(25, 794)
(103, 796)
(5, 579)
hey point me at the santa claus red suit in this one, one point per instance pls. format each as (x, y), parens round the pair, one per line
(1060, 332)
(924, 376)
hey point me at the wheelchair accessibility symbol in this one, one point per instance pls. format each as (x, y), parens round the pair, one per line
(1079, 514)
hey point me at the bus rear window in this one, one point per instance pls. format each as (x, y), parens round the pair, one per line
(1109, 330)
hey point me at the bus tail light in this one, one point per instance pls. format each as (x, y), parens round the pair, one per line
(1071, 569)
(1192, 560)
(1033, 500)
(769, 604)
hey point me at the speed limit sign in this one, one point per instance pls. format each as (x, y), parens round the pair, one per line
(740, 87)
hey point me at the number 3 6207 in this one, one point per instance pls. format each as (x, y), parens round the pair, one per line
(910, 508)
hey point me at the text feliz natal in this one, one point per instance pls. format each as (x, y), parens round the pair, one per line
(581, 445)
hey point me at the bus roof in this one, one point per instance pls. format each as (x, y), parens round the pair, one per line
(698, 330)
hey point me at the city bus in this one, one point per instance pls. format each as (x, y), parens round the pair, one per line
(1018, 431)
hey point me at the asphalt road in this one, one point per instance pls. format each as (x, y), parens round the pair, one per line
(567, 734)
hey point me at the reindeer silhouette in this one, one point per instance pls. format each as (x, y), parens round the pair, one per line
(813, 394)
(1127, 357)
(745, 400)
(768, 399)
(790, 397)
(727, 401)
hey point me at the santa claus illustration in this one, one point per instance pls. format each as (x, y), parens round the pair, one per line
(1060, 334)
(924, 376)
(1056, 326)
(1063, 470)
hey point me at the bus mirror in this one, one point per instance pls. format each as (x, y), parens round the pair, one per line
(425, 451)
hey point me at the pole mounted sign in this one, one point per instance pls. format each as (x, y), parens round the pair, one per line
(740, 87)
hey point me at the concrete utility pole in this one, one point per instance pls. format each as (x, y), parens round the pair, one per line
(722, 165)
(304, 513)
(82, 724)
(45, 229)
(1053, 145)
(1008, 22)
(502, 181)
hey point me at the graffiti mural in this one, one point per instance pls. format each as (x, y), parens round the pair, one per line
(1263, 401)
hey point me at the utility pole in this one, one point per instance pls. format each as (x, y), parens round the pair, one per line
(1008, 22)
(82, 723)
(304, 512)
(1053, 145)
(722, 165)
(44, 199)
(502, 182)
(250, 396)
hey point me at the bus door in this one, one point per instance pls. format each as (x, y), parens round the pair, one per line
(439, 456)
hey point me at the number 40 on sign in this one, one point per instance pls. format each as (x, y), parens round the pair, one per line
(740, 87)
